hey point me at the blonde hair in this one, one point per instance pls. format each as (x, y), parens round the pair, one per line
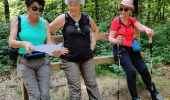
(82, 2)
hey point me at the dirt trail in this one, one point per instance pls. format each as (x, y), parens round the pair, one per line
(10, 90)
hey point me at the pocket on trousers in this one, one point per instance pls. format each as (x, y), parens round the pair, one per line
(63, 64)
(33, 64)
(19, 59)
(47, 61)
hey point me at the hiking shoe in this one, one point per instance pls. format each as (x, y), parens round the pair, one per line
(157, 97)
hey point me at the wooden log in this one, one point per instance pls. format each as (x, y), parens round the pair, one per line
(103, 36)
(55, 66)
(58, 38)
(109, 59)
(23, 91)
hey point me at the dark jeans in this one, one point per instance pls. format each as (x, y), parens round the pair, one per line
(131, 61)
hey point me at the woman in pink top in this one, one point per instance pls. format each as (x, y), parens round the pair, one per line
(122, 33)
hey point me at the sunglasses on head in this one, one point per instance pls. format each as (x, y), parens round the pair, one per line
(40, 9)
(125, 9)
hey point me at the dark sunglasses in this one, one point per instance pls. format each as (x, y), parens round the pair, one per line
(125, 9)
(78, 27)
(40, 9)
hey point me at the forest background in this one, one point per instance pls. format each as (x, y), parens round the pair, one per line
(152, 13)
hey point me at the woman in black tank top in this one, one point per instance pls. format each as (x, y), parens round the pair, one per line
(76, 28)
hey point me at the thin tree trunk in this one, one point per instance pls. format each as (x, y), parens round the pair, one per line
(96, 11)
(163, 11)
(149, 12)
(135, 13)
(6, 10)
(62, 8)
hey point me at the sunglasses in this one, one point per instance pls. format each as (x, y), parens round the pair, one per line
(40, 9)
(78, 27)
(125, 9)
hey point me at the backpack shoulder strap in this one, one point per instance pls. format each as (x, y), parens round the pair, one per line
(133, 27)
(19, 24)
(19, 28)
(119, 23)
(131, 22)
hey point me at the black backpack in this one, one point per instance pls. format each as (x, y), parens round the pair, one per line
(13, 52)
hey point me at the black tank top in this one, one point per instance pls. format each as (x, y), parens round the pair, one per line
(77, 39)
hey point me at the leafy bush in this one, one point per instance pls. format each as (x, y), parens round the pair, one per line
(161, 45)
(162, 41)
(5, 65)
(161, 54)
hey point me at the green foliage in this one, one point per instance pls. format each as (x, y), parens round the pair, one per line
(162, 41)
(53, 8)
(118, 69)
(139, 83)
(4, 64)
(103, 47)
(5, 69)
(2, 18)
(102, 70)
(153, 13)
(161, 47)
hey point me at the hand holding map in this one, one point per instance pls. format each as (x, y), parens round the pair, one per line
(47, 48)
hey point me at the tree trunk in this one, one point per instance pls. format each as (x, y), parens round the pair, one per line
(62, 6)
(149, 12)
(163, 11)
(96, 11)
(6, 10)
(135, 13)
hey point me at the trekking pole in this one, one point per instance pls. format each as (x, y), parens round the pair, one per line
(118, 81)
(151, 65)
(150, 49)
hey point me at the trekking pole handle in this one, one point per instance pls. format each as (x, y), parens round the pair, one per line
(119, 37)
(150, 39)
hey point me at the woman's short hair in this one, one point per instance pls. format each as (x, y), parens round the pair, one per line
(40, 2)
(82, 2)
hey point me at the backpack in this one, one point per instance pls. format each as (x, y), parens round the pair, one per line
(13, 52)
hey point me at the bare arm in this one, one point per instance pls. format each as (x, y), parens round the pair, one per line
(54, 26)
(13, 34)
(95, 31)
(57, 23)
(49, 36)
(114, 40)
(144, 28)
